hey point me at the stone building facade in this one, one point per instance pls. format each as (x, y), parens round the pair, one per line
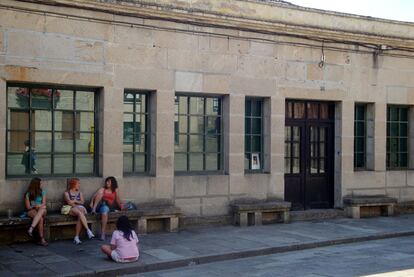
(203, 102)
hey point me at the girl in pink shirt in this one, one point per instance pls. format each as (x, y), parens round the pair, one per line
(124, 243)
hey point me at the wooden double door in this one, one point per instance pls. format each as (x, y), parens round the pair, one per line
(309, 154)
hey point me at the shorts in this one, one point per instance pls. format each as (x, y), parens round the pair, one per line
(103, 208)
(115, 256)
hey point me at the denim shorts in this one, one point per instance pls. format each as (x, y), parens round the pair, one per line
(103, 208)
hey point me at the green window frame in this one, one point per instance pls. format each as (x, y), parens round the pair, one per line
(198, 134)
(51, 131)
(360, 136)
(136, 133)
(253, 139)
(397, 137)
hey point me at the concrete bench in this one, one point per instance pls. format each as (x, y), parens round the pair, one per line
(169, 214)
(353, 204)
(251, 213)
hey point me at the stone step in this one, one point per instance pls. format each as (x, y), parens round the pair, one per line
(316, 214)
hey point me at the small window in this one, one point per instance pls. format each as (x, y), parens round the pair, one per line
(397, 137)
(360, 136)
(136, 132)
(51, 131)
(253, 157)
(198, 134)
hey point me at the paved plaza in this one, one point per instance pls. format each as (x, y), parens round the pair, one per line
(208, 245)
(379, 258)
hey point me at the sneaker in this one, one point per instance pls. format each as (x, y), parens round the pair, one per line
(102, 237)
(90, 234)
(30, 231)
(77, 241)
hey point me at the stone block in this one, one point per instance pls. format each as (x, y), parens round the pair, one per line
(218, 185)
(215, 83)
(140, 57)
(238, 185)
(137, 189)
(2, 48)
(164, 187)
(21, 20)
(149, 79)
(133, 36)
(239, 46)
(189, 206)
(334, 73)
(296, 71)
(219, 44)
(406, 194)
(397, 95)
(187, 186)
(261, 49)
(215, 206)
(188, 82)
(259, 67)
(87, 51)
(396, 178)
(252, 86)
(314, 72)
(175, 40)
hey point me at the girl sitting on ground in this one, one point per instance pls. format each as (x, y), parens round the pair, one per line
(73, 197)
(106, 199)
(35, 203)
(124, 243)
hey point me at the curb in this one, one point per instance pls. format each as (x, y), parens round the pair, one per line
(141, 268)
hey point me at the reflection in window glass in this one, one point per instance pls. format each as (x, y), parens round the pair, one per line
(197, 135)
(397, 137)
(136, 132)
(44, 148)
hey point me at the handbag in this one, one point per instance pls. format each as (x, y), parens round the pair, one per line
(65, 209)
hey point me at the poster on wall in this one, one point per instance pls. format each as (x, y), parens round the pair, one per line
(255, 161)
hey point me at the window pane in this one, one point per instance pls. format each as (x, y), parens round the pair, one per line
(64, 120)
(247, 161)
(41, 98)
(295, 166)
(128, 129)
(312, 110)
(394, 129)
(212, 162)
(83, 142)
(393, 159)
(403, 145)
(359, 160)
(42, 164)
(296, 150)
(296, 133)
(63, 142)
(181, 145)
(127, 162)
(256, 126)
(17, 141)
(129, 102)
(299, 110)
(64, 101)
(42, 120)
(140, 104)
(324, 110)
(182, 124)
(183, 104)
(84, 163)
(360, 112)
(197, 124)
(248, 107)
(287, 149)
(360, 144)
(394, 113)
(393, 145)
(139, 163)
(256, 108)
(85, 121)
(140, 125)
(16, 164)
(180, 162)
(18, 97)
(63, 164)
(196, 143)
(213, 106)
(314, 165)
(289, 110)
(196, 105)
(321, 165)
(85, 100)
(403, 129)
(212, 143)
(360, 129)
(140, 143)
(287, 165)
(247, 125)
(42, 141)
(213, 125)
(256, 143)
(196, 162)
(18, 120)
(403, 160)
(403, 114)
(247, 143)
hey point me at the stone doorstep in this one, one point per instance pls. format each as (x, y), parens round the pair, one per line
(139, 267)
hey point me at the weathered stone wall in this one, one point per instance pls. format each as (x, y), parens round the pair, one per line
(47, 48)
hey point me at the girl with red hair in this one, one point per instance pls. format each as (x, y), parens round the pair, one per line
(74, 198)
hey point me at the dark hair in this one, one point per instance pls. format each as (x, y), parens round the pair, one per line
(123, 224)
(34, 189)
(114, 183)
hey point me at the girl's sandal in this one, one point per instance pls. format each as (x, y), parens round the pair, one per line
(43, 242)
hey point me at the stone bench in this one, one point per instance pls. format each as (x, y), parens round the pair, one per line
(353, 204)
(251, 213)
(15, 229)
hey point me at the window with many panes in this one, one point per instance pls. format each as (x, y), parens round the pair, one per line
(136, 132)
(397, 137)
(198, 133)
(50, 131)
(360, 136)
(253, 140)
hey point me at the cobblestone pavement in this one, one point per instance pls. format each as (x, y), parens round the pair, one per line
(202, 245)
(380, 258)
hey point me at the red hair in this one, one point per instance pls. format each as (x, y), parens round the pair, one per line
(72, 183)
